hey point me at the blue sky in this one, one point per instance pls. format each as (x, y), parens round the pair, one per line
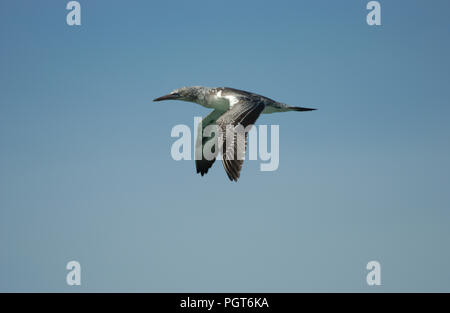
(86, 171)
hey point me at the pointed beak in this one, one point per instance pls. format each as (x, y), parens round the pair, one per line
(166, 97)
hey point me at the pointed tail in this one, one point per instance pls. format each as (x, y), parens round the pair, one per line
(300, 109)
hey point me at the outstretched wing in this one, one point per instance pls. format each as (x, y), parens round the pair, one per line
(203, 163)
(244, 112)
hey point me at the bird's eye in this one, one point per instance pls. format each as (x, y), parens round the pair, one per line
(175, 94)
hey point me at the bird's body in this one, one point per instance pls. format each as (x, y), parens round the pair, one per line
(222, 98)
(232, 107)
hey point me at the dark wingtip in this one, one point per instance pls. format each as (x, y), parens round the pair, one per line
(201, 168)
(233, 178)
(202, 172)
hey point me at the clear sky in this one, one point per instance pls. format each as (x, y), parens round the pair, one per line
(86, 172)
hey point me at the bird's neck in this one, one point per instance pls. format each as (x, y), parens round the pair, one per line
(202, 96)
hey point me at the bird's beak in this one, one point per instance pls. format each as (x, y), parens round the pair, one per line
(166, 97)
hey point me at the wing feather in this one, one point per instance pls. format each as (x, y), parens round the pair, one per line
(233, 145)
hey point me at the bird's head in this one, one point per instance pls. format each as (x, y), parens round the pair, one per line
(184, 94)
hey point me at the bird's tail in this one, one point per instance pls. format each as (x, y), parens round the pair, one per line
(300, 109)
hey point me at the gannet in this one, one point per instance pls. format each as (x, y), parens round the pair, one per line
(231, 108)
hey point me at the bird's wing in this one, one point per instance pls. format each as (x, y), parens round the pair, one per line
(243, 113)
(204, 162)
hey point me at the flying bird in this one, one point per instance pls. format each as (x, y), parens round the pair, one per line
(231, 107)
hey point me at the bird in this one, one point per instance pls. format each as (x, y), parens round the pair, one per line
(231, 108)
